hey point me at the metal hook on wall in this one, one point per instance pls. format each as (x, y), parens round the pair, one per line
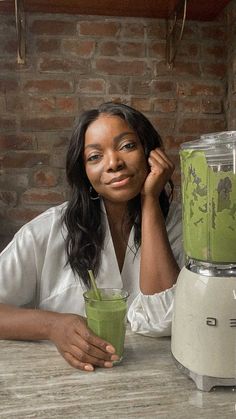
(172, 41)
(20, 30)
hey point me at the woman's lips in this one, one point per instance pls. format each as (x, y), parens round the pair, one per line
(120, 181)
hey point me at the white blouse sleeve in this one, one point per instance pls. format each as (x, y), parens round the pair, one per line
(151, 315)
(18, 275)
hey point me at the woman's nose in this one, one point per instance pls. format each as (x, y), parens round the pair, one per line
(114, 161)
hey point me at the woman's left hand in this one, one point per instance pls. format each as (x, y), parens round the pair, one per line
(161, 169)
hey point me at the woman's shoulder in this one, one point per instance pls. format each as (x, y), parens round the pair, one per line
(37, 232)
(45, 221)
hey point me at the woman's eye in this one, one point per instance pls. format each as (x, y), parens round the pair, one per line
(93, 158)
(128, 146)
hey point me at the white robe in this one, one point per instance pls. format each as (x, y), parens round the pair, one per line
(33, 272)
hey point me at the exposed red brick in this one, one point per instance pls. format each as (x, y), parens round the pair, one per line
(14, 102)
(118, 85)
(44, 123)
(7, 85)
(140, 86)
(53, 27)
(156, 30)
(55, 141)
(164, 105)
(76, 63)
(109, 48)
(81, 48)
(157, 50)
(8, 64)
(49, 85)
(133, 49)
(160, 69)
(202, 125)
(17, 141)
(214, 32)
(81, 66)
(8, 198)
(211, 106)
(132, 30)
(101, 28)
(214, 53)
(189, 49)
(179, 139)
(48, 45)
(23, 215)
(14, 180)
(54, 104)
(45, 177)
(38, 196)
(163, 86)
(142, 104)
(191, 30)
(215, 70)
(58, 159)
(2, 104)
(132, 68)
(89, 102)
(91, 85)
(42, 104)
(190, 88)
(162, 124)
(7, 123)
(8, 46)
(187, 69)
(66, 104)
(24, 159)
(189, 105)
(8, 25)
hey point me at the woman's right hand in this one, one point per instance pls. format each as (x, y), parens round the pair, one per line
(80, 347)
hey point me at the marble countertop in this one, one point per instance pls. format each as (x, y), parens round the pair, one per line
(36, 382)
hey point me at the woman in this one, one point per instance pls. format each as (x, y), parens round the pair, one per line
(118, 222)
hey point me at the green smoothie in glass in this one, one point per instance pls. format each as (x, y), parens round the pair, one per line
(107, 317)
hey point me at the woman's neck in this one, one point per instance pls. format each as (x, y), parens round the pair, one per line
(116, 212)
(119, 228)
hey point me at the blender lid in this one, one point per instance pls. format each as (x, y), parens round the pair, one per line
(208, 141)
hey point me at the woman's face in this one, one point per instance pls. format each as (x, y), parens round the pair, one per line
(114, 159)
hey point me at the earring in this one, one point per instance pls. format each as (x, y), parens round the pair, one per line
(92, 193)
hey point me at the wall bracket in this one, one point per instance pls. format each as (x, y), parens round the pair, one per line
(20, 30)
(174, 32)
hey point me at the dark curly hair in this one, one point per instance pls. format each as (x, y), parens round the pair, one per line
(86, 232)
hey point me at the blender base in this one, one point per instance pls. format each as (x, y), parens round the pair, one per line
(204, 382)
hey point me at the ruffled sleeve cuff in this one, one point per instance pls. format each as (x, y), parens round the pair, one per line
(151, 315)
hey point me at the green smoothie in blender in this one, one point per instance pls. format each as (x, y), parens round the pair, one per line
(209, 200)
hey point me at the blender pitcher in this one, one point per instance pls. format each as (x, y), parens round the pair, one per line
(204, 322)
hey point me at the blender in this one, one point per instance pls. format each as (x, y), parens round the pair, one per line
(203, 341)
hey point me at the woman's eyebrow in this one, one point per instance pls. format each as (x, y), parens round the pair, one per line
(122, 134)
(95, 145)
(115, 139)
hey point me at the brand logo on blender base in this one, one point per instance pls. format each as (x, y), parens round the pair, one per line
(212, 321)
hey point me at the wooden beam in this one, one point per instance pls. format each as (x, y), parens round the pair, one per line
(161, 9)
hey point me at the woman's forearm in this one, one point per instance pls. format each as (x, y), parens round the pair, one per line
(158, 269)
(26, 324)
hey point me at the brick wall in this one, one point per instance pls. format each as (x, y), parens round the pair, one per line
(76, 62)
(231, 111)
